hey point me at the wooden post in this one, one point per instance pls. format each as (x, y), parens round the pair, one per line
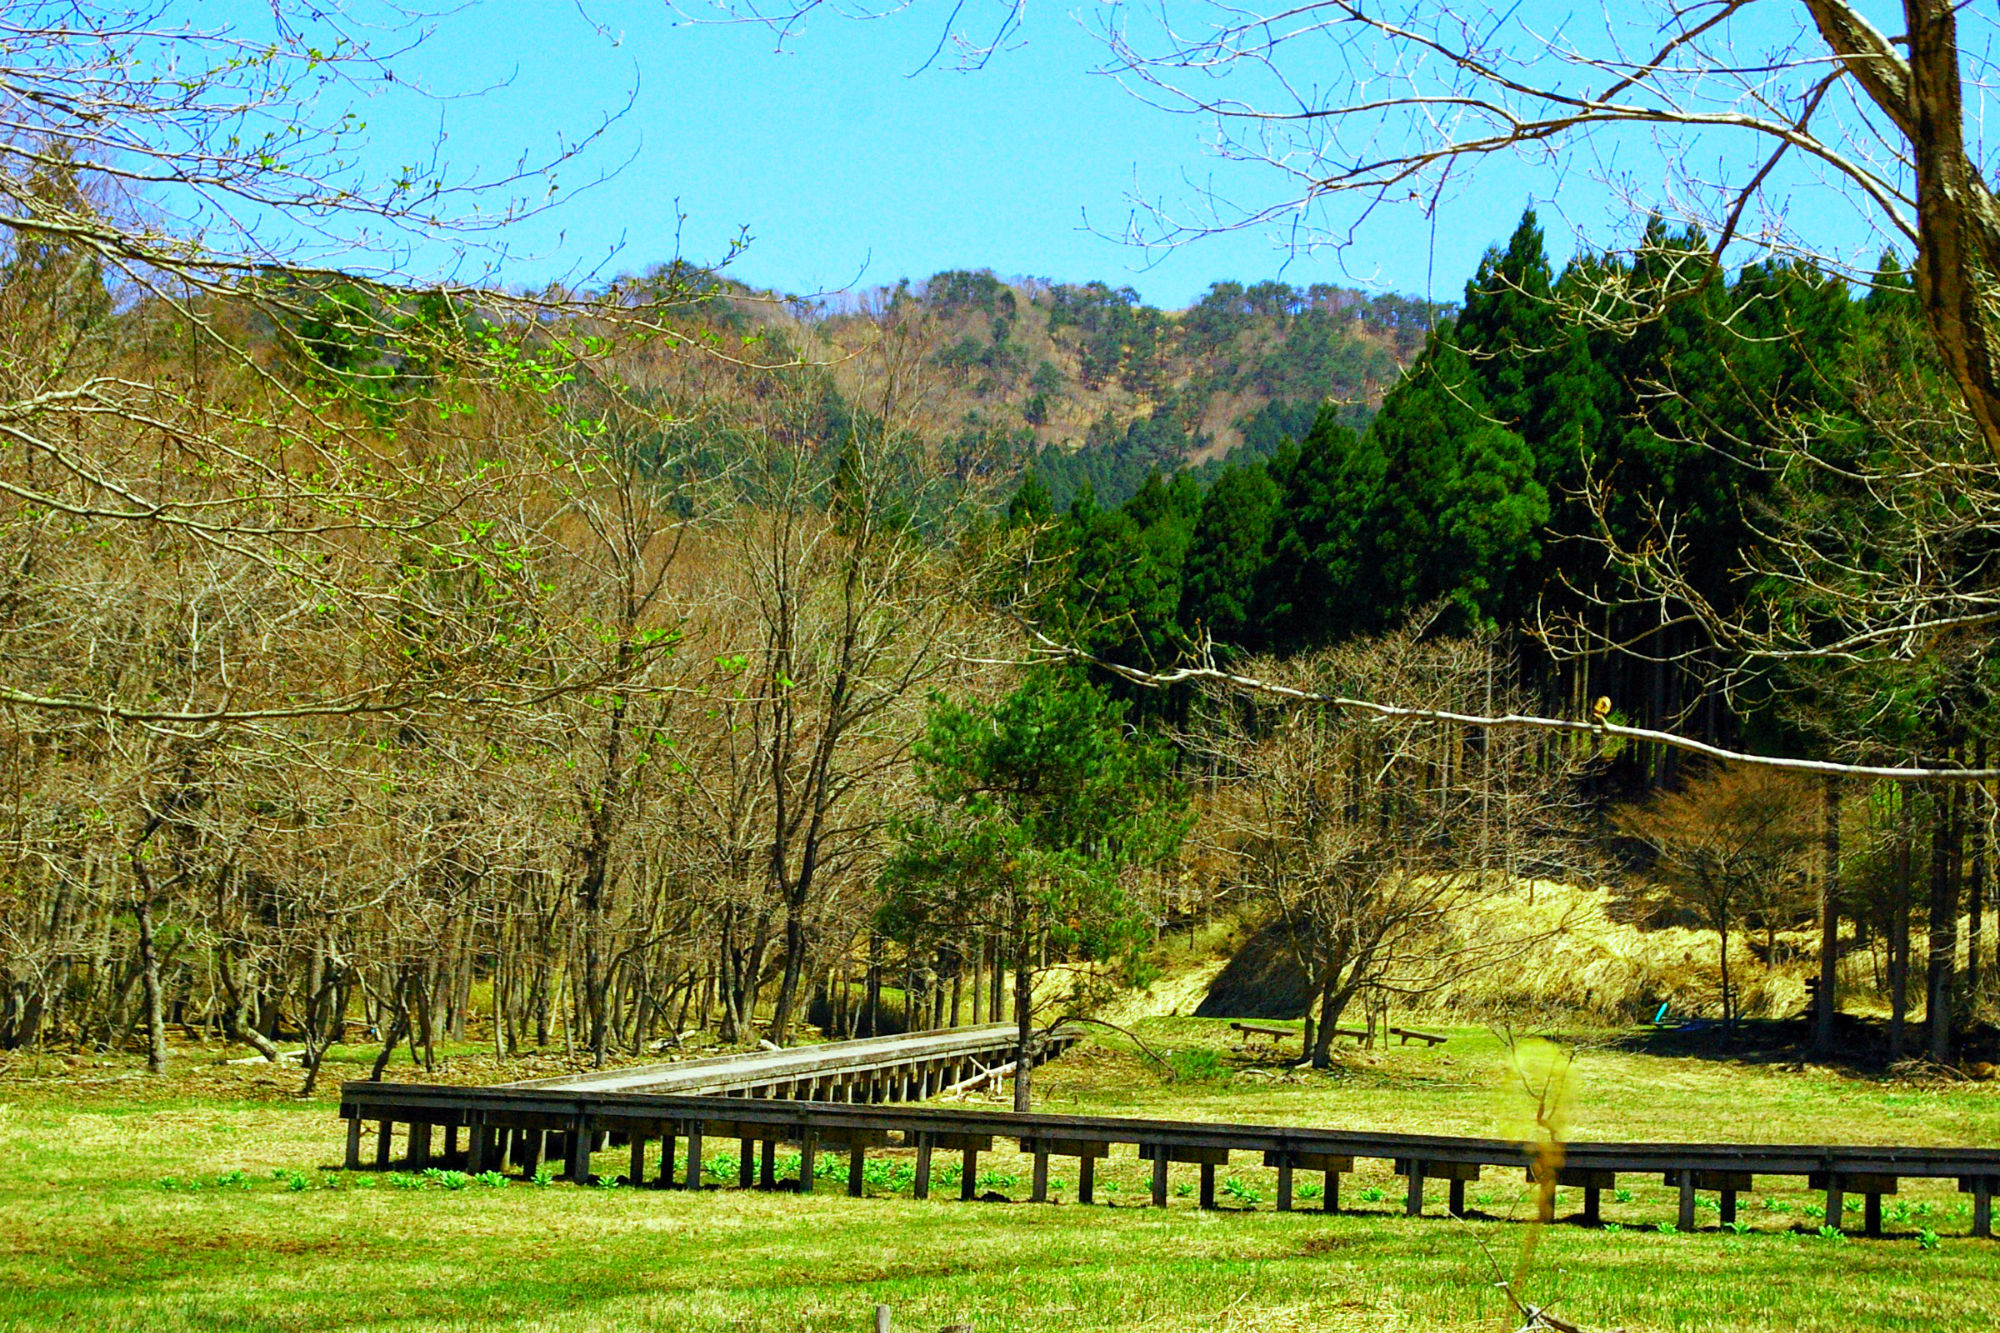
(746, 1163)
(1456, 1206)
(692, 1179)
(1873, 1214)
(581, 1140)
(1285, 1186)
(420, 1145)
(1686, 1219)
(1728, 1207)
(1413, 1203)
(1982, 1207)
(1159, 1175)
(665, 1179)
(922, 1187)
(808, 1159)
(857, 1166)
(1330, 1201)
(968, 1176)
(882, 1319)
(1086, 1179)
(475, 1149)
(450, 1143)
(635, 1175)
(767, 1165)
(1592, 1198)
(354, 1144)
(529, 1158)
(1833, 1201)
(1208, 1184)
(384, 1146)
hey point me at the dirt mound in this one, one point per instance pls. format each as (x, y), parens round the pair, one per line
(1262, 981)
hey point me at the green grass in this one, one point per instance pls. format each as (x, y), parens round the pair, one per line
(203, 1203)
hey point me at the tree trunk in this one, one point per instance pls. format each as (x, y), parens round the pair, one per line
(149, 973)
(1942, 951)
(1825, 1006)
(1024, 1021)
(1899, 942)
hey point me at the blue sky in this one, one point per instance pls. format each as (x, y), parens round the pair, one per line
(850, 168)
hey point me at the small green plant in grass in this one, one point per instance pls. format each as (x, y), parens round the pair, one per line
(544, 1173)
(1927, 1239)
(1831, 1233)
(1202, 1064)
(238, 1179)
(403, 1180)
(1311, 1191)
(1614, 1226)
(1241, 1191)
(1740, 1228)
(603, 1182)
(949, 1174)
(1622, 1196)
(492, 1180)
(1850, 1204)
(295, 1181)
(173, 1183)
(999, 1180)
(1373, 1194)
(1666, 1228)
(723, 1166)
(1708, 1206)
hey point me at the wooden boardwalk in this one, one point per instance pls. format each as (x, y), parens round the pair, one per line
(520, 1125)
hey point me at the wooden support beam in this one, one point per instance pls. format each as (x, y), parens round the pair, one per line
(420, 1145)
(353, 1161)
(581, 1141)
(808, 1159)
(692, 1180)
(1981, 1190)
(1872, 1214)
(746, 1163)
(1686, 1219)
(384, 1144)
(1086, 1180)
(1160, 1160)
(1413, 1202)
(635, 1174)
(1455, 1206)
(1208, 1184)
(767, 1165)
(857, 1168)
(665, 1179)
(1285, 1185)
(529, 1155)
(476, 1136)
(968, 1174)
(1592, 1206)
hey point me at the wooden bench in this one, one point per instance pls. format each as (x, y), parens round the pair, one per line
(1427, 1038)
(1264, 1030)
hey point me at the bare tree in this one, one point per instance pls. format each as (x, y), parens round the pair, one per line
(1733, 846)
(1369, 840)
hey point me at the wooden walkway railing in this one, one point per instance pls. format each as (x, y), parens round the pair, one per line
(518, 1126)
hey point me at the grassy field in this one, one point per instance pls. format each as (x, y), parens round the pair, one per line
(205, 1202)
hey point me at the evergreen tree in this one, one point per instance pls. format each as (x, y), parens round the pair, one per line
(1226, 556)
